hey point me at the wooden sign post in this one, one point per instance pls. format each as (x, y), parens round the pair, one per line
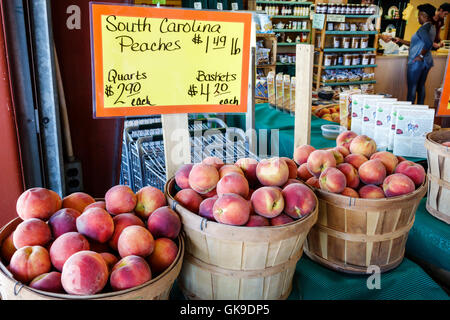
(303, 94)
(172, 62)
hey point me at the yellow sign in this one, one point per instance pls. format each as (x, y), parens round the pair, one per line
(156, 61)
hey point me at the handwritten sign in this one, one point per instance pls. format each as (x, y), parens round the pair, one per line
(335, 18)
(318, 21)
(444, 103)
(150, 60)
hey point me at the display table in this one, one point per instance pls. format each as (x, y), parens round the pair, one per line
(428, 240)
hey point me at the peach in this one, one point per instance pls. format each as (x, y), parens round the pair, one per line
(213, 161)
(412, 170)
(77, 200)
(120, 199)
(272, 172)
(349, 192)
(84, 273)
(135, 241)
(62, 221)
(206, 208)
(203, 178)
(371, 191)
(302, 153)
(345, 138)
(351, 174)
(355, 160)
(29, 262)
(290, 181)
(268, 201)
(363, 145)
(231, 209)
(65, 246)
(7, 249)
(50, 282)
(319, 160)
(397, 184)
(248, 166)
(164, 223)
(343, 150)
(337, 156)
(96, 204)
(303, 172)
(446, 144)
(313, 182)
(165, 253)
(38, 203)
(130, 272)
(332, 180)
(96, 224)
(210, 194)
(122, 221)
(148, 199)
(230, 168)
(189, 199)
(233, 183)
(256, 220)
(400, 159)
(292, 167)
(389, 160)
(182, 175)
(372, 172)
(32, 232)
(110, 260)
(280, 220)
(299, 200)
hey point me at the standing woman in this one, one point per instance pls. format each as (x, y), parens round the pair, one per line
(420, 60)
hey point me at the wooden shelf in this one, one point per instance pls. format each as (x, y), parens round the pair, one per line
(266, 35)
(346, 67)
(345, 50)
(291, 17)
(346, 83)
(291, 30)
(265, 66)
(286, 64)
(285, 44)
(285, 2)
(350, 32)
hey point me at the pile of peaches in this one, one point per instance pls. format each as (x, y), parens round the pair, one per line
(354, 168)
(247, 193)
(80, 246)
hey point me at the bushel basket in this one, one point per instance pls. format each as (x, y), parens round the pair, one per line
(235, 262)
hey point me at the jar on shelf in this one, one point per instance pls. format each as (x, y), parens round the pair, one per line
(364, 42)
(327, 60)
(318, 41)
(340, 59)
(304, 25)
(366, 58)
(358, 9)
(355, 42)
(356, 59)
(331, 8)
(348, 9)
(336, 42)
(330, 26)
(373, 57)
(346, 42)
(347, 59)
(353, 27)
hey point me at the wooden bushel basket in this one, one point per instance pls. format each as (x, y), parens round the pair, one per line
(234, 262)
(353, 233)
(155, 289)
(438, 156)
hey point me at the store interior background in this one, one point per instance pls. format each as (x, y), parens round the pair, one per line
(97, 142)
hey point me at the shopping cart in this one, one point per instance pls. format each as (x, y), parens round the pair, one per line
(228, 144)
(124, 164)
(133, 133)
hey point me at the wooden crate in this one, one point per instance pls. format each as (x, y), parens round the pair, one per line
(236, 262)
(438, 156)
(155, 289)
(354, 233)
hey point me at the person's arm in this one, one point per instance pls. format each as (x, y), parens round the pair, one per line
(402, 41)
(424, 35)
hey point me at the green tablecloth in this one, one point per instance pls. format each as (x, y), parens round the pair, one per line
(428, 240)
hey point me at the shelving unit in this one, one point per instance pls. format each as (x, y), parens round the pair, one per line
(324, 47)
(270, 42)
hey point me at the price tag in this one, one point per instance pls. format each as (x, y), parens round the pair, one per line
(198, 5)
(234, 6)
(335, 18)
(160, 60)
(219, 6)
(318, 21)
